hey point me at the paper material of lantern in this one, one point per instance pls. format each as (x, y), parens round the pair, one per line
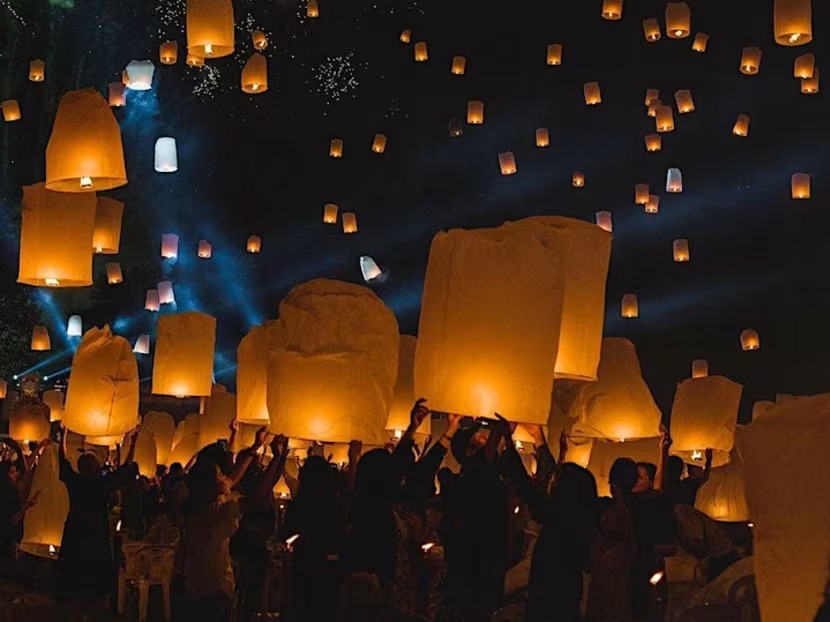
(641, 194)
(11, 110)
(680, 250)
(185, 440)
(741, 127)
(651, 95)
(369, 268)
(406, 36)
(220, 410)
(151, 300)
(379, 143)
(793, 22)
(210, 28)
(194, 61)
(703, 416)
(678, 20)
(106, 236)
(166, 295)
(507, 163)
(313, 9)
(169, 52)
(169, 245)
(554, 56)
(578, 179)
(800, 185)
(421, 53)
(750, 60)
(674, 180)
(56, 238)
(336, 148)
(254, 244)
(146, 453)
(43, 523)
(259, 40)
(142, 344)
(3, 388)
(140, 75)
(654, 106)
(205, 250)
(785, 473)
(252, 372)
(684, 101)
(723, 497)
(804, 65)
(651, 29)
(475, 112)
(37, 70)
(653, 204)
(114, 275)
(810, 86)
(475, 355)
(605, 221)
(330, 214)
(29, 421)
(664, 119)
(700, 368)
(654, 142)
(750, 340)
(630, 308)
(166, 157)
(701, 42)
(54, 399)
(542, 137)
(116, 95)
(183, 361)
(592, 93)
(459, 65)
(759, 411)
(404, 395)
(40, 339)
(255, 75)
(74, 327)
(102, 395)
(612, 9)
(349, 222)
(604, 453)
(161, 426)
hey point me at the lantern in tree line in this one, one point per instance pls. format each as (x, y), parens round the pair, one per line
(146, 453)
(369, 268)
(741, 127)
(84, 153)
(678, 20)
(54, 400)
(674, 180)
(421, 52)
(165, 290)
(578, 179)
(507, 163)
(554, 56)
(151, 300)
(106, 236)
(700, 42)
(603, 454)
(205, 250)
(254, 245)
(641, 194)
(102, 395)
(612, 9)
(664, 119)
(210, 28)
(56, 238)
(542, 137)
(654, 142)
(592, 93)
(459, 65)
(255, 75)
(220, 410)
(75, 327)
(183, 362)
(379, 143)
(37, 70)
(336, 148)
(169, 245)
(3, 388)
(750, 340)
(140, 75)
(29, 421)
(700, 368)
(652, 206)
(252, 372)
(169, 52)
(44, 522)
(684, 101)
(166, 157)
(142, 345)
(114, 276)
(604, 221)
(11, 110)
(703, 416)
(651, 95)
(161, 426)
(722, 496)
(651, 29)
(475, 112)
(804, 65)
(259, 40)
(194, 61)
(313, 9)
(330, 214)
(680, 250)
(406, 36)
(349, 222)
(117, 97)
(630, 308)
(810, 86)
(800, 184)
(750, 60)
(654, 106)
(404, 394)
(793, 21)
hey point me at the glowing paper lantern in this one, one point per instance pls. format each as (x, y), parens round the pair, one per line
(56, 238)
(114, 276)
(40, 339)
(162, 428)
(750, 340)
(313, 9)
(74, 327)
(151, 300)
(793, 21)
(476, 356)
(169, 245)
(554, 56)
(475, 112)
(379, 143)
(804, 66)
(674, 180)
(185, 440)
(11, 110)
(183, 362)
(84, 153)
(210, 28)
(54, 399)
(336, 148)
(330, 214)
(106, 237)
(44, 522)
(800, 184)
(369, 268)
(604, 221)
(654, 142)
(255, 75)
(507, 163)
(722, 497)
(205, 250)
(166, 157)
(684, 100)
(404, 395)
(653, 204)
(700, 368)
(116, 96)
(37, 70)
(641, 194)
(651, 29)
(169, 52)
(102, 396)
(252, 372)
(29, 421)
(3, 388)
(664, 119)
(406, 36)
(604, 453)
(741, 127)
(750, 60)
(146, 453)
(142, 345)
(680, 250)
(140, 75)
(166, 295)
(651, 95)
(259, 40)
(421, 52)
(612, 9)
(592, 93)
(810, 86)
(701, 42)
(654, 106)
(703, 416)
(349, 222)
(678, 20)
(542, 137)
(220, 410)
(578, 179)
(194, 61)
(459, 65)
(630, 306)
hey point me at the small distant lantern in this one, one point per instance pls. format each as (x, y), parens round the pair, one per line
(507, 163)
(674, 180)
(140, 74)
(654, 142)
(11, 110)
(37, 70)
(612, 9)
(651, 95)
(459, 65)
(151, 300)
(75, 326)
(336, 148)
(678, 20)
(254, 244)
(169, 245)
(183, 362)
(804, 66)
(194, 61)
(700, 368)
(142, 344)
(475, 112)
(205, 250)
(40, 339)
(255, 75)
(117, 98)
(166, 157)
(793, 22)
(684, 100)
(542, 137)
(680, 250)
(750, 60)
(651, 29)
(741, 127)
(800, 184)
(641, 192)
(166, 295)
(664, 121)
(330, 213)
(700, 42)
(313, 9)
(654, 106)
(379, 143)
(406, 36)
(106, 237)
(750, 340)
(652, 206)
(810, 86)
(169, 52)
(369, 268)
(592, 93)
(114, 275)
(455, 128)
(421, 52)
(349, 222)
(578, 179)
(259, 40)
(210, 28)
(630, 306)
(604, 221)
(554, 56)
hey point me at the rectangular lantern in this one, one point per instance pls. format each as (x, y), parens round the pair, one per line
(114, 275)
(106, 237)
(604, 221)
(680, 250)
(166, 295)
(254, 244)
(654, 142)
(654, 106)
(459, 65)
(205, 250)
(312, 9)
(578, 179)
(664, 119)
(166, 155)
(349, 220)
(701, 42)
(653, 204)
(651, 29)
(404, 394)
(700, 368)
(750, 60)
(252, 372)
(379, 143)
(151, 300)
(684, 101)
(674, 180)
(810, 86)
(54, 399)
(651, 95)
(612, 9)
(800, 184)
(630, 308)
(554, 56)
(117, 96)
(678, 20)
(11, 110)
(641, 194)
(169, 52)
(406, 36)
(592, 93)
(804, 66)
(330, 213)
(259, 40)
(336, 148)
(507, 163)
(183, 361)
(40, 339)
(210, 28)
(37, 70)
(169, 245)
(475, 112)
(542, 137)
(741, 127)
(220, 410)
(750, 340)
(793, 22)
(421, 53)
(142, 344)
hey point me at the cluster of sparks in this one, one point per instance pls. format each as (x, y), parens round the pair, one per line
(336, 77)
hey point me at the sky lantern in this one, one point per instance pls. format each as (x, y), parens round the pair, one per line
(421, 53)
(674, 180)
(102, 395)
(641, 194)
(750, 340)
(336, 148)
(630, 307)
(810, 86)
(169, 245)
(169, 52)
(254, 244)
(313, 9)
(592, 93)
(800, 185)
(194, 61)
(210, 28)
(56, 232)
(604, 221)
(664, 119)
(220, 410)
(151, 300)
(804, 65)
(369, 268)
(166, 295)
(507, 163)
(117, 96)
(652, 206)
(654, 142)
(684, 101)
(701, 42)
(651, 29)
(185, 440)
(477, 356)
(349, 220)
(578, 179)
(651, 95)
(114, 275)
(612, 9)
(678, 20)
(680, 250)
(252, 372)
(379, 143)
(54, 399)
(554, 56)
(146, 453)
(106, 236)
(700, 368)
(654, 106)
(166, 156)
(722, 497)
(475, 112)
(750, 60)
(604, 453)
(84, 153)
(741, 127)
(704, 414)
(259, 40)
(140, 75)
(37, 70)
(162, 427)
(44, 522)
(793, 22)
(404, 394)
(142, 344)
(406, 36)
(255, 75)
(330, 213)
(459, 65)
(75, 326)
(183, 361)
(542, 137)
(29, 421)
(204, 250)
(11, 110)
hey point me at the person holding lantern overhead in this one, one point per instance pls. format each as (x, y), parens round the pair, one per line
(15, 501)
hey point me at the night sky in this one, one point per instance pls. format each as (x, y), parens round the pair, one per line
(260, 165)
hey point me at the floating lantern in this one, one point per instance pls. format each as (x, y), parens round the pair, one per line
(700, 368)
(406, 36)
(680, 250)
(654, 142)
(700, 42)
(205, 250)
(114, 276)
(678, 20)
(37, 70)
(793, 22)
(166, 295)
(651, 29)
(651, 95)
(612, 9)
(604, 221)
(684, 100)
(117, 97)
(255, 75)
(210, 28)
(56, 238)
(151, 300)
(259, 40)
(750, 340)
(404, 394)
(810, 86)
(455, 128)
(169, 52)
(183, 363)
(220, 410)
(252, 372)
(43, 523)
(592, 93)
(169, 245)
(140, 75)
(185, 440)
(630, 306)
(254, 244)
(578, 179)
(162, 428)
(741, 127)
(507, 163)
(336, 148)
(804, 66)
(349, 222)
(674, 180)
(106, 236)
(194, 61)
(654, 106)
(421, 52)
(146, 453)
(379, 143)
(703, 416)
(459, 65)
(166, 158)
(54, 400)
(313, 9)
(652, 206)
(800, 184)
(475, 112)
(369, 269)
(664, 119)
(542, 137)
(29, 421)
(330, 214)
(11, 110)
(102, 396)
(722, 496)
(142, 345)
(641, 194)
(74, 327)
(554, 56)
(84, 153)
(750, 60)
(603, 454)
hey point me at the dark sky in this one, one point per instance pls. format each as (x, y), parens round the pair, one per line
(260, 165)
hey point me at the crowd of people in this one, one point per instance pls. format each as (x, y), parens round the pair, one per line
(375, 539)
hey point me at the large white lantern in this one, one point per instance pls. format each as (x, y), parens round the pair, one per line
(74, 327)
(167, 160)
(140, 75)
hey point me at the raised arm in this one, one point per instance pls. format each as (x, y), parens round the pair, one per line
(133, 439)
(279, 447)
(246, 456)
(422, 477)
(662, 459)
